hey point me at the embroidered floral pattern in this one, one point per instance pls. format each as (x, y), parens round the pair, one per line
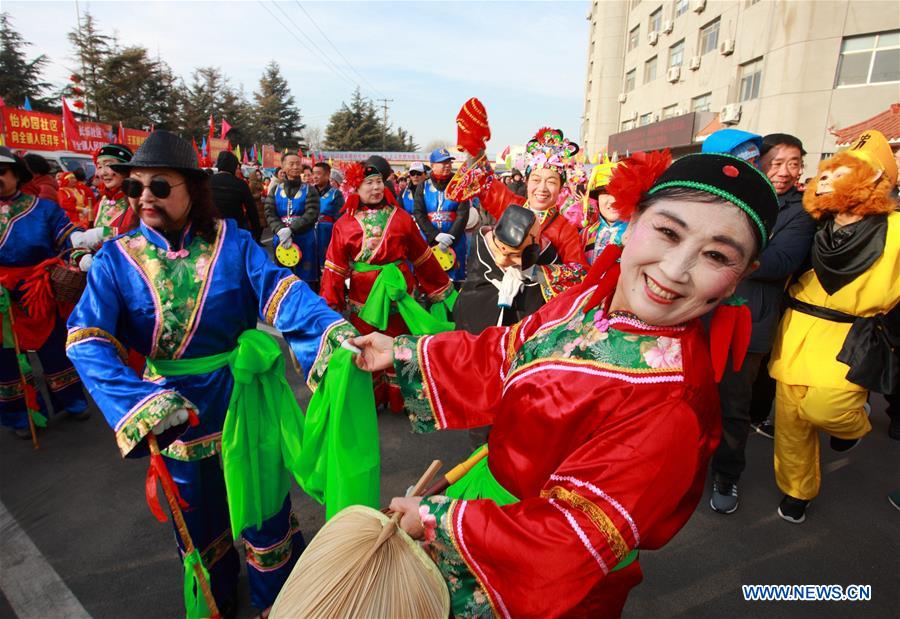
(194, 450)
(110, 211)
(467, 597)
(373, 222)
(79, 335)
(273, 557)
(590, 337)
(61, 380)
(13, 389)
(557, 278)
(141, 420)
(178, 285)
(410, 379)
(332, 339)
(271, 309)
(10, 212)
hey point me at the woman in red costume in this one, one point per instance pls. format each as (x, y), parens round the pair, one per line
(375, 241)
(603, 403)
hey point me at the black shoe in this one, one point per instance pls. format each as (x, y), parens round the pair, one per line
(82, 416)
(724, 499)
(793, 510)
(894, 428)
(766, 428)
(843, 444)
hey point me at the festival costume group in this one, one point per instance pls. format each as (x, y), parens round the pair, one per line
(593, 489)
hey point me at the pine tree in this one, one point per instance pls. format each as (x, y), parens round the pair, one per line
(137, 90)
(202, 99)
(241, 115)
(92, 49)
(277, 116)
(355, 126)
(19, 77)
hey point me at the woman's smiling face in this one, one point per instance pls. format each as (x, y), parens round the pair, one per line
(681, 257)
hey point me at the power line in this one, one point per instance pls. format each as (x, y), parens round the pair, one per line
(334, 47)
(384, 104)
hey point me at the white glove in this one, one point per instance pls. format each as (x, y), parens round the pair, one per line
(87, 239)
(444, 240)
(510, 286)
(284, 237)
(85, 263)
(175, 419)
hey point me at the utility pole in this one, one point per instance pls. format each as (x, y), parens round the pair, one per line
(384, 105)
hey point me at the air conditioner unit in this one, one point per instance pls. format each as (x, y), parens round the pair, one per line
(730, 114)
(668, 26)
(726, 47)
(652, 38)
(694, 63)
(697, 6)
(673, 74)
(623, 97)
(678, 112)
(656, 118)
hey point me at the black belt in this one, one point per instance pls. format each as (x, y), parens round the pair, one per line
(818, 311)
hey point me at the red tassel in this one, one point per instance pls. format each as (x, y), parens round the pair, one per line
(151, 490)
(743, 327)
(31, 399)
(604, 274)
(730, 328)
(193, 419)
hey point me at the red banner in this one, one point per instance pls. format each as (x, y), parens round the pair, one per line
(32, 130)
(270, 160)
(91, 137)
(216, 146)
(134, 138)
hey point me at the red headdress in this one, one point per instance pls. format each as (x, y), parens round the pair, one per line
(354, 175)
(634, 177)
(472, 128)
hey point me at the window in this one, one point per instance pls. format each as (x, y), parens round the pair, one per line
(629, 80)
(655, 21)
(676, 54)
(701, 103)
(681, 7)
(670, 111)
(646, 119)
(634, 37)
(751, 76)
(627, 125)
(869, 59)
(634, 3)
(650, 70)
(709, 37)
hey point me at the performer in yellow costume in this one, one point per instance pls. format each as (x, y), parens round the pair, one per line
(834, 341)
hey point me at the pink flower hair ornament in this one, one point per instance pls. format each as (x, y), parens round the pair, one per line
(551, 150)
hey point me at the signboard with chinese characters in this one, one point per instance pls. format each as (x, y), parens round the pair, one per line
(671, 133)
(32, 130)
(91, 137)
(134, 138)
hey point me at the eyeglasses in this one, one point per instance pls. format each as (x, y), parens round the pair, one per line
(158, 187)
(415, 173)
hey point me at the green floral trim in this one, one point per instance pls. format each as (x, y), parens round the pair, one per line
(178, 285)
(140, 421)
(273, 557)
(198, 449)
(373, 223)
(411, 380)
(467, 597)
(13, 389)
(557, 278)
(219, 547)
(588, 337)
(62, 379)
(109, 211)
(332, 339)
(12, 211)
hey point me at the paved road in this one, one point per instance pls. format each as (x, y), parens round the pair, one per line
(83, 508)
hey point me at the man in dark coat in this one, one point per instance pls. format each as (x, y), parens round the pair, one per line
(232, 196)
(788, 249)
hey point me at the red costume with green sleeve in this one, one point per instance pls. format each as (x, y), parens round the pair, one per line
(603, 426)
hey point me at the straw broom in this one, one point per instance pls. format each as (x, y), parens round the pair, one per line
(362, 565)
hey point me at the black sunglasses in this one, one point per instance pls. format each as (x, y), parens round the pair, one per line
(416, 173)
(158, 187)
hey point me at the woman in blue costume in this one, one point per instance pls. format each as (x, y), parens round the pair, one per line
(32, 231)
(181, 288)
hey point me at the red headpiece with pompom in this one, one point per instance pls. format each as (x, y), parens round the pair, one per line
(354, 175)
(634, 177)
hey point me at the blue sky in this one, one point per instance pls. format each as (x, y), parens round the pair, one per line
(524, 60)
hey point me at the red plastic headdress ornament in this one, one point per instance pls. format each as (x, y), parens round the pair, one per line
(634, 177)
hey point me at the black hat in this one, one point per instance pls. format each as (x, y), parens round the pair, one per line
(163, 149)
(379, 163)
(731, 179)
(17, 164)
(227, 161)
(115, 151)
(514, 225)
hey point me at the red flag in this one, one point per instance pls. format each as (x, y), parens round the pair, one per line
(120, 138)
(196, 149)
(246, 159)
(225, 128)
(70, 127)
